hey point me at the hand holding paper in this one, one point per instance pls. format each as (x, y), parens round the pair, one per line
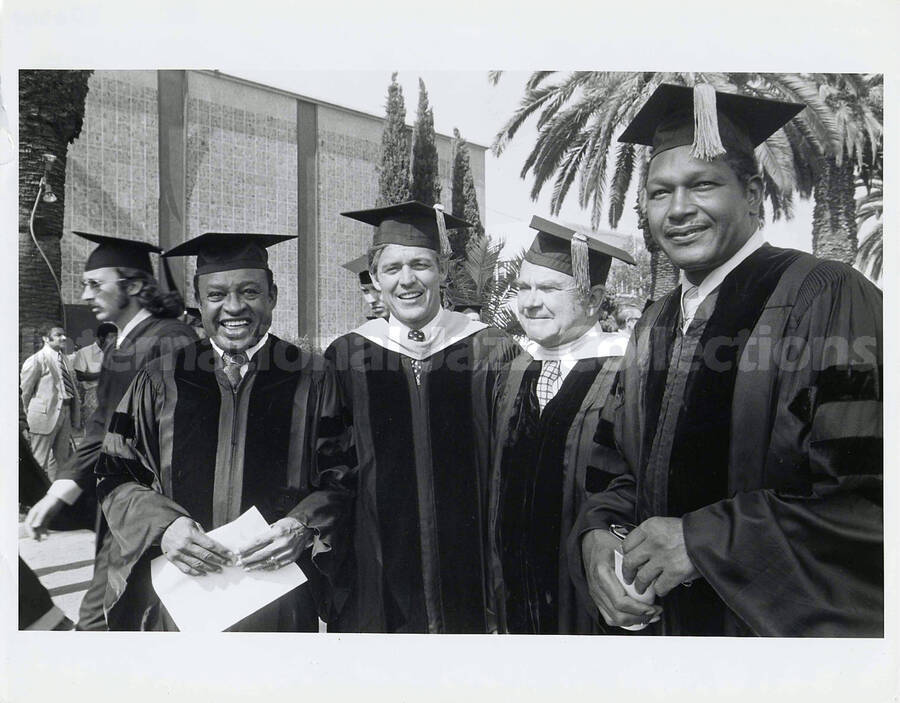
(280, 544)
(606, 590)
(223, 597)
(655, 553)
(188, 547)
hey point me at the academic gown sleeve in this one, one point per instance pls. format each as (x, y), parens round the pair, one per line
(616, 503)
(330, 492)
(167, 336)
(129, 480)
(806, 557)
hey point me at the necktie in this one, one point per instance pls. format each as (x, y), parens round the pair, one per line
(416, 335)
(232, 368)
(417, 370)
(690, 301)
(548, 382)
(67, 379)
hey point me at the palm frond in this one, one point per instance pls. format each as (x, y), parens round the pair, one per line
(776, 159)
(817, 115)
(621, 181)
(481, 262)
(870, 255)
(537, 78)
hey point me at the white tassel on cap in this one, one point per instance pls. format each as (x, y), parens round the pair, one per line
(442, 229)
(580, 265)
(707, 140)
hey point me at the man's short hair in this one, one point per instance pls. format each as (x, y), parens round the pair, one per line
(151, 297)
(45, 328)
(270, 280)
(744, 164)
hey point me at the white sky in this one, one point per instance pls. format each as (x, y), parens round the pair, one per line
(466, 100)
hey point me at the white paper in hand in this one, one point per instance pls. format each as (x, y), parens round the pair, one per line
(214, 602)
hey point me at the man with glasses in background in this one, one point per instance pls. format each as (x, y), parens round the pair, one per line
(120, 288)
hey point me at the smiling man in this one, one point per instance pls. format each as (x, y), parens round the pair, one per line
(545, 460)
(748, 408)
(220, 426)
(400, 514)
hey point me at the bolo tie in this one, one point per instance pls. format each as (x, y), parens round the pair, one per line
(416, 336)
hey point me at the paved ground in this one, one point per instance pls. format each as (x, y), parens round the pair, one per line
(63, 561)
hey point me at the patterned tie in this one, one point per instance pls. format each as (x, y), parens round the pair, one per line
(548, 382)
(67, 379)
(417, 370)
(690, 301)
(416, 335)
(233, 363)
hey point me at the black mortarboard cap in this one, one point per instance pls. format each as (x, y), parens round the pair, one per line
(575, 251)
(709, 120)
(360, 266)
(412, 223)
(114, 252)
(227, 251)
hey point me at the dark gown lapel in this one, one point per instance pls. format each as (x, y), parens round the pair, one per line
(195, 430)
(662, 337)
(698, 461)
(532, 497)
(698, 466)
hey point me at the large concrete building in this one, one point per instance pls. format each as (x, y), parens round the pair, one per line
(167, 155)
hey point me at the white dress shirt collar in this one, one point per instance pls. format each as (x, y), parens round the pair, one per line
(446, 328)
(138, 318)
(595, 343)
(400, 331)
(715, 277)
(248, 352)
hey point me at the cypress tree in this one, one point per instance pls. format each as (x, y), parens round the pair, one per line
(426, 181)
(465, 200)
(393, 179)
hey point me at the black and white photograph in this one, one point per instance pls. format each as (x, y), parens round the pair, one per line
(323, 350)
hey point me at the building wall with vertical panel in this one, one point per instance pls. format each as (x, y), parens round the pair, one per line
(241, 154)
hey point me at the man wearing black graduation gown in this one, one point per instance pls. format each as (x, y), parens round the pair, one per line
(218, 427)
(120, 288)
(400, 514)
(748, 408)
(545, 460)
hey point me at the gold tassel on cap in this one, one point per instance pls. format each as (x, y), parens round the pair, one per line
(707, 140)
(580, 266)
(442, 229)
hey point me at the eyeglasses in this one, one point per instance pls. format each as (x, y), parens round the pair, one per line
(94, 286)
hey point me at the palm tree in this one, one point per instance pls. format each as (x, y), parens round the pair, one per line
(51, 113)
(870, 209)
(580, 113)
(481, 279)
(857, 103)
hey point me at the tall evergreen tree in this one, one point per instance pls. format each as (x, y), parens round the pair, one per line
(393, 180)
(426, 181)
(464, 198)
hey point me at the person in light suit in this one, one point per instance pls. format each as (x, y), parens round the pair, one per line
(50, 399)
